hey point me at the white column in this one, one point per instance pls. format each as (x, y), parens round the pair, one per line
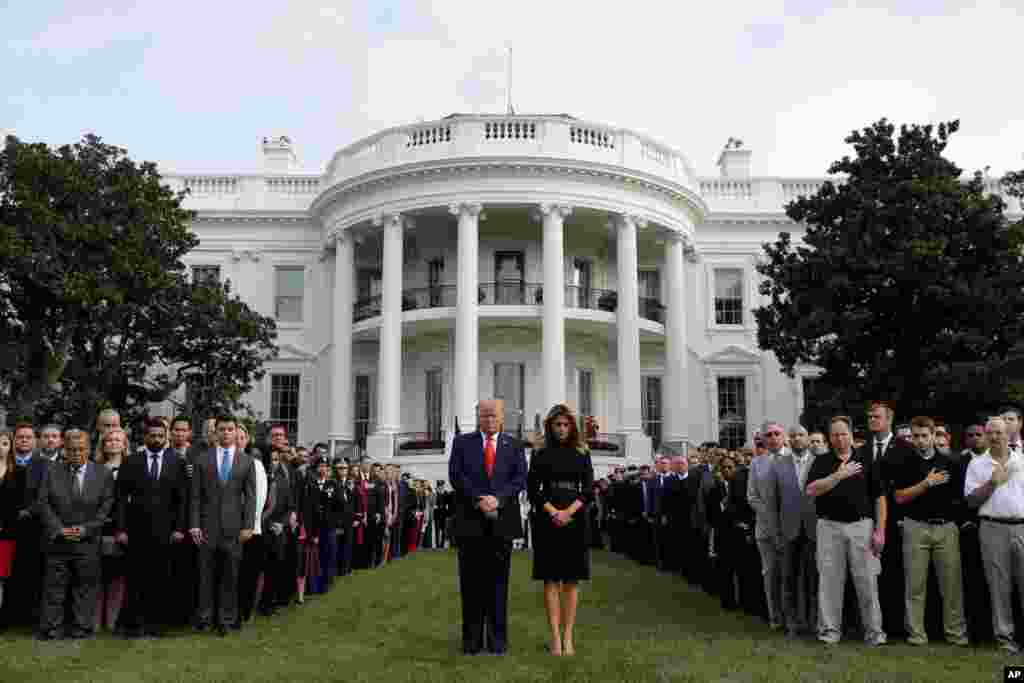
(341, 371)
(638, 446)
(467, 333)
(554, 304)
(675, 387)
(389, 366)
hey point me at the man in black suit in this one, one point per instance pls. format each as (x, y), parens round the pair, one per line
(24, 588)
(223, 515)
(442, 512)
(487, 470)
(278, 573)
(75, 500)
(151, 519)
(892, 453)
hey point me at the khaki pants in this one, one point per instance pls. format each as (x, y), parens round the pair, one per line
(922, 544)
(846, 546)
(1002, 552)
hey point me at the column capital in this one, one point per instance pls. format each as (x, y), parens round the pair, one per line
(398, 220)
(542, 211)
(619, 220)
(467, 208)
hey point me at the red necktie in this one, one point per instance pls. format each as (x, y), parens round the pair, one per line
(489, 456)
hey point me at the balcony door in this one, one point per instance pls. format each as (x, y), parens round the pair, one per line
(509, 281)
(509, 387)
(582, 281)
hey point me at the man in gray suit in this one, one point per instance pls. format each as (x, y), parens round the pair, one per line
(796, 524)
(223, 514)
(761, 496)
(75, 499)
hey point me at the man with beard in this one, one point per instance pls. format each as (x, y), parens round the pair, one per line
(151, 519)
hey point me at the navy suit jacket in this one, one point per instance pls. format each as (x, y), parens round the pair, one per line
(470, 482)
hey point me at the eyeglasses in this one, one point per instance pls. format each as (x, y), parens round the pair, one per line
(773, 433)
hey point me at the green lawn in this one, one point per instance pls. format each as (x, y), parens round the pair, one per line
(400, 623)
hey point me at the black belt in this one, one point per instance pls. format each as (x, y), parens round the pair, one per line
(934, 521)
(1003, 520)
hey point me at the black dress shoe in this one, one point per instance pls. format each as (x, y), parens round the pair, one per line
(221, 630)
(236, 626)
(81, 634)
(49, 635)
(202, 628)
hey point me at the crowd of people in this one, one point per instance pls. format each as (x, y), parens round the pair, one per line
(96, 535)
(822, 534)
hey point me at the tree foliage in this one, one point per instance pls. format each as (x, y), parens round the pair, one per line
(96, 306)
(907, 285)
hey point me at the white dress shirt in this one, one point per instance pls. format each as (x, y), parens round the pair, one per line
(1006, 501)
(261, 494)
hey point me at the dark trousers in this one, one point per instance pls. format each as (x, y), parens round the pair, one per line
(278, 573)
(440, 530)
(23, 590)
(148, 600)
(218, 583)
(977, 601)
(345, 542)
(484, 567)
(397, 539)
(184, 581)
(79, 574)
(254, 555)
(660, 536)
(891, 593)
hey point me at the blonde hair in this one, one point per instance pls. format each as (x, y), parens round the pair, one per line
(101, 456)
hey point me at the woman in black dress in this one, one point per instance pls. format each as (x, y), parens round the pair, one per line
(560, 487)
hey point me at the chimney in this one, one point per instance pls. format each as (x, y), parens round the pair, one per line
(279, 155)
(734, 161)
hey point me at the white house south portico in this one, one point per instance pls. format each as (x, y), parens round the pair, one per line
(535, 259)
(532, 170)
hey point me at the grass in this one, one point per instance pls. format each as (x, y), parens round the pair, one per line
(401, 623)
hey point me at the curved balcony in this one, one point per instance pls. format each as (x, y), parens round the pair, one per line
(508, 294)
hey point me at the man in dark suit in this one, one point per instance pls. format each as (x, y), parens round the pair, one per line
(75, 500)
(487, 470)
(891, 453)
(151, 519)
(223, 514)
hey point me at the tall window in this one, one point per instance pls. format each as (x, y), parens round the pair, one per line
(510, 387)
(289, 287)
(206, 275)
(728, 296)
(435, 407)
(585, 389)
(284, 404)
(582, 281)
(732, 412)
(508, 278)
(434, 273)
(363, 409)
(649, 283)
(651, 409)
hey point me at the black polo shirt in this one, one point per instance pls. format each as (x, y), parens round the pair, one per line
(853, 498)
(938, 502)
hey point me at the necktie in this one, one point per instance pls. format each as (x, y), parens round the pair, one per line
(878, 449)
(225, 465)
(154, 467)
(76, 482)
(489, 456)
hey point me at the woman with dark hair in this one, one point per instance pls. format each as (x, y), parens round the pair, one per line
(560, 487)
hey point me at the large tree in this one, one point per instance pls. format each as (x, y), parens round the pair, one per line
(96, 307)
(906, 286)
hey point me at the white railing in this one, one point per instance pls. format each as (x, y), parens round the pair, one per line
(726, 188)
(510, 130)
(791, 189)
(593, 136)
(429, 135)
(211, 185)
(293, 185)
